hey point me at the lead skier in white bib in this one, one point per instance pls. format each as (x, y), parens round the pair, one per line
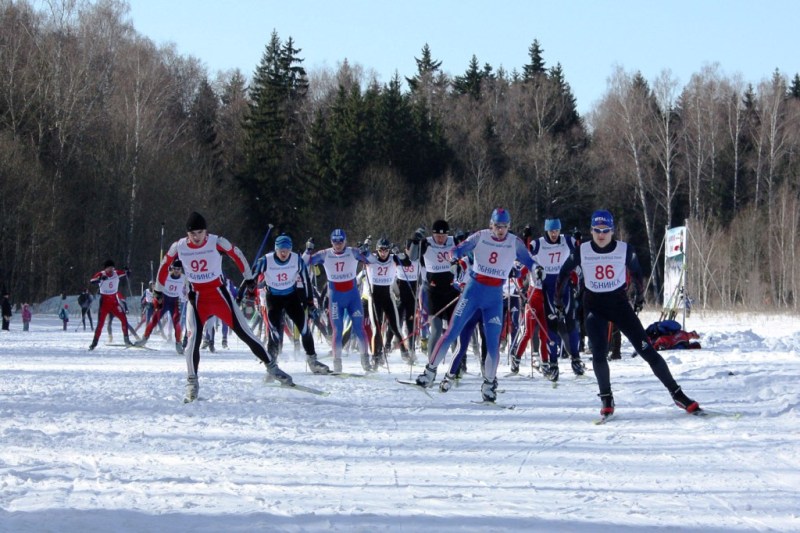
(605, 261)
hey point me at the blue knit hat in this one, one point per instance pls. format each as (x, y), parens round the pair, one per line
(283, 242)
(601, 217)
(501, 216)
(338, 235)
(552, 224)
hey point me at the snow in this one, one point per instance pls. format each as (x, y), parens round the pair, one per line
(101, 441)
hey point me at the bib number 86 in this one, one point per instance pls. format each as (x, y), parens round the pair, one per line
(604, 272)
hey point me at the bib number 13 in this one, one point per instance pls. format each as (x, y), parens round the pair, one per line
(604, 272)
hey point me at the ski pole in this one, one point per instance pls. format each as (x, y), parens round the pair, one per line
(263, 242)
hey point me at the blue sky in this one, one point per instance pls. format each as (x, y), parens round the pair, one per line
(587, 37)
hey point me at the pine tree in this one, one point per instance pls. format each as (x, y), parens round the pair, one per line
(569, 117)
(794, 89)
(427, 69)
(470, 82)
(396, 136)
(536, 67)
(275, 171)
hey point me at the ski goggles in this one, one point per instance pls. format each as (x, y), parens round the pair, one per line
(337, 241)
(602, 230)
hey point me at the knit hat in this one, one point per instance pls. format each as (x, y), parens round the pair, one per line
(601, 217)
(108, 263)
(501, 216)
(338, 235)
(283, 242)
(552, 224)
(195, 222)
(440, 226)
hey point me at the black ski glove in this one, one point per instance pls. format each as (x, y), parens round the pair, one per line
(638, 304)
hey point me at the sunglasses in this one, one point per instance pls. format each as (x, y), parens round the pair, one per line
(337, 241)
(602, 230)
(501, 226)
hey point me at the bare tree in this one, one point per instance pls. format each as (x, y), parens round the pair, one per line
(622, 129)
(665, 138)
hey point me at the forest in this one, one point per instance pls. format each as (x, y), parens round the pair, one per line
(108, 142)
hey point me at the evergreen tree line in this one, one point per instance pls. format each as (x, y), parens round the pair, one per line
(106, 141)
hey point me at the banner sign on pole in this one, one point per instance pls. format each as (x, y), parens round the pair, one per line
(674, 266)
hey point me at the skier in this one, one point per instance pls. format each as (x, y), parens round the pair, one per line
(108, 280)
(605, 262)
(26, 317)
(147, 306)
(340, 262)
(551, 251)
(380, 276)
(434, 253)
(168, 301)
(63, 314)
(85, 302)
(494, 251)
(200, 253)
(288, 289)
(406, 283)
(6, 311)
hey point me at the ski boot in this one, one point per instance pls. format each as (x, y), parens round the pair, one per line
(337, 365)
(378, 360)
(550, 371)
(447, 383)
(93, 345)
(365, 363)
(427, 378)
(141, 342)
(315, 366)
(423, 345)
(192, 388)
(225, 343)
(127, 341)
(489, 390)
(179, 348)
(407, 357)
(277, 374)
(608, 404)
(578, 367)
(514, 367)
(684, 402)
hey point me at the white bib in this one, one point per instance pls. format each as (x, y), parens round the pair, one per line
(604, 272)
(173, 287)
(203, 264)
(382, 274)
(340, 267)
(494, 259)
(281, 276)
(437, 258)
